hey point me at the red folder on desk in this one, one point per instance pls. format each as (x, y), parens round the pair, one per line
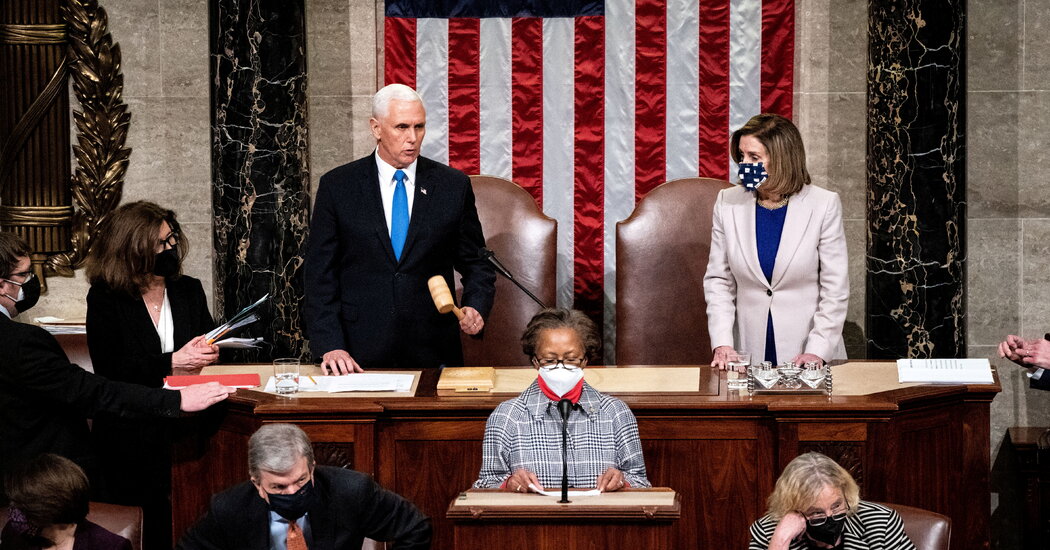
(250, 380)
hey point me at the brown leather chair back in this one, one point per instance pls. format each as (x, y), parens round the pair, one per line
(76, 348)
(927, 530)
(661, 257)
(125, 521)
(524, 240)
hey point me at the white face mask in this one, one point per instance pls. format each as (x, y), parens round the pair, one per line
(561, 380)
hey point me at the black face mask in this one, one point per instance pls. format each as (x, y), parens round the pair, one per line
(30, 295)
(294, 506)
(167, 263)
(827, 533)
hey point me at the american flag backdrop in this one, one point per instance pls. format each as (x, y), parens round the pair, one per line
(588, 105)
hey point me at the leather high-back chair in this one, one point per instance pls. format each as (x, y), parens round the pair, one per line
(524, 241)
(928, 530)
(661, 257)
(76, 348)
(125, 521)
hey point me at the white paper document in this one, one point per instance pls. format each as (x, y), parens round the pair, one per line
(944, 371)
(361, 381)
(572, 493)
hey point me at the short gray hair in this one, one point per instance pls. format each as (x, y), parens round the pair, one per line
(276, 448)
(381, 101)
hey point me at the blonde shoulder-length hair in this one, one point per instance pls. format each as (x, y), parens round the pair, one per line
(804, 479)
(783, 143)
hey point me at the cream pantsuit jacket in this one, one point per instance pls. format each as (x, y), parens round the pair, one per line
(809, 291)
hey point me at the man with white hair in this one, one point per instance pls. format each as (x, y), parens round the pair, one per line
(382, 226)
(292, 504)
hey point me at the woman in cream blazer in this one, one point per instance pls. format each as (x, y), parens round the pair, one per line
(807, 292)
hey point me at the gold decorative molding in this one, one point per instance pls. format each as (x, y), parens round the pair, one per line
(102, 128)
(32, 34)
(35, 216)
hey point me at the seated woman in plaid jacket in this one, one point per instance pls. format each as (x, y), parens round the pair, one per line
(523, 444)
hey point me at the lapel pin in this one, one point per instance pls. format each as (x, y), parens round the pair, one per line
(423, 190)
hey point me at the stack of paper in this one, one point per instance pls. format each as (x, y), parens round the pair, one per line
(941, 371)
(362, 381)
(243, 318)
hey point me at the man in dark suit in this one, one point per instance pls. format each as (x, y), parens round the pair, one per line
(1033, 355)
(382, 226)
(45, 399)
(291, 503)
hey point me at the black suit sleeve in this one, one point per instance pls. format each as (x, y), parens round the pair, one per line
(479, 277)
(386, 516)
(44, 371)
(321, 275)
(111, 355)
(1043, 383)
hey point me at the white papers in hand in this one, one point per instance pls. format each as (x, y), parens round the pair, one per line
(572, 493)
(240, 343)
(362, 381)
(944, 371)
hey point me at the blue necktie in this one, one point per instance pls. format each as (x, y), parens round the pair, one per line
(399, 215)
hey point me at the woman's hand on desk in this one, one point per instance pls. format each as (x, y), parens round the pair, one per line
(721, 357)
(611, 480)
(196, 353)
(803, 358)
(519, 481)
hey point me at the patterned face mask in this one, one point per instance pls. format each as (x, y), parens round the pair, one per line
(752, 175)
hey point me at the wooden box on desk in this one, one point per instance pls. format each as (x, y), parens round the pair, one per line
(633, 518)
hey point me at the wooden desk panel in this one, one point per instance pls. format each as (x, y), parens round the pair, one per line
(921, 446)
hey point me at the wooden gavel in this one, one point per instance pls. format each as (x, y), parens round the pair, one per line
(443, 296)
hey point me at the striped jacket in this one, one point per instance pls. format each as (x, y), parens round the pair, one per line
(872, 527)
(525, 432)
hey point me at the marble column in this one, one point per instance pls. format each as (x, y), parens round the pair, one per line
(260, 174)
(916, 203)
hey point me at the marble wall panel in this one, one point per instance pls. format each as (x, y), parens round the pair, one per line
(330, 47)
(993, 276)
(184, 48)
(135, 25)
(995, 37)
(260, 164)
(916, 179)
(994, 154)
(1035, 278)
(1035, 60)
(1033, 152)
(853, 331)
(331, 140)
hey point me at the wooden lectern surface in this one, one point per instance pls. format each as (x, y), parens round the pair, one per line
(918, 445)
(657, 496)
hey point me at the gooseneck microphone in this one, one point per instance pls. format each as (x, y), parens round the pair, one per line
(489, 255)
(564, 408)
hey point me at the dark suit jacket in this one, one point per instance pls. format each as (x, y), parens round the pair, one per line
(122, 340)
(44, 399)
(1043, 383)
(350, 506)
(135, 453)
(359, 298)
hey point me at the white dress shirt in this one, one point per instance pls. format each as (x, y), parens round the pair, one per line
(387, 186)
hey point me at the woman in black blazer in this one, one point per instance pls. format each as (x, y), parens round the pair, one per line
(145, 321)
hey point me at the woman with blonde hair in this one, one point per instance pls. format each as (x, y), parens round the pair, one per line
(777, 280)
(816, 504)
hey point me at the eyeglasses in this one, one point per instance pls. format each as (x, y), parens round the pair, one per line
(26, 277)
(552, 363)
(171, 240)
(820, 519)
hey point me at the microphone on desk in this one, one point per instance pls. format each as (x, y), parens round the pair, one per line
(490, 256)
(564, 408)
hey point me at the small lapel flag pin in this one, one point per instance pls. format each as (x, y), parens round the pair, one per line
(423, 190)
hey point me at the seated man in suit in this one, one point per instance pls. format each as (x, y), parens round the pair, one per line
(382, 226)
(1033, 355)
(45, 399)
(304, 506)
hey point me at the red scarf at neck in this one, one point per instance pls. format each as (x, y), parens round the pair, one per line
(573, 394)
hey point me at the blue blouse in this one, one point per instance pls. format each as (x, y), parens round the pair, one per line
(769, 225)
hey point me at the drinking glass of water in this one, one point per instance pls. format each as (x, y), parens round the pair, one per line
(812, 373)
(286, 375)
(736, 370)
